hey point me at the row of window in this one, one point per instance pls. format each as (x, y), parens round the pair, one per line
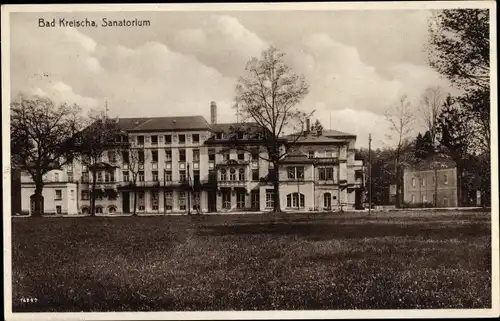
(424, 199)
(422, 180)
(324, 173)
(168, 139)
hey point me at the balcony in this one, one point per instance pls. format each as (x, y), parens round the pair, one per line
(233, 184)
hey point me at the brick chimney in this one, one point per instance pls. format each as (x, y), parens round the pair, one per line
(308, 125)
(213, 112)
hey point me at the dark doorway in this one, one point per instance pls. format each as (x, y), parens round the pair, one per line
(212, 201)
(33, 204)
(126, 202)
(255, 199)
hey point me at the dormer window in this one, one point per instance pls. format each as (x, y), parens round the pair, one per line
(218, 136)
(240, 135)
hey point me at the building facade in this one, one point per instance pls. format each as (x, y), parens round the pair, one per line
(187, 165)
(433, 183)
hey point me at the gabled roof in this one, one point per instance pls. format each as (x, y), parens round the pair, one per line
(437, 161)
(149, 124)
(229, 127)
(326, 136)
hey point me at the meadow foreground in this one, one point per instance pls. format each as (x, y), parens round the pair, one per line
(252, 262)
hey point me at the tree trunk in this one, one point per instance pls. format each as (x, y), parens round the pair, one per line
(276, 185)
(398, 187)
(38, 199)
(135, 201)
(459, 185)
(435, 200)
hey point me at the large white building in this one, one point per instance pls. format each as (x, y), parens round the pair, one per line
(190, 165)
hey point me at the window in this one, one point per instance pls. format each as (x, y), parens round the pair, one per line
(182, 155)
(140, 140)
(111, 156)
(58, 194)
(218, 136)
(98, 209)
(182, 201)
(255, 175)
(72, 194)
(109, 177)
(154, 156)
(240, 199)
(413, 182)
(295, 200)
(223, 175)
(325, 174)
(168, 176)
(446, 179)
(154, 140)
(269, 199)
(125, 176)
(168, 155)
(424, 199)
(422, 182)
(226, 199)
(100, 177)
(241, 155)
(182, 176)
(196, 155)
(310, 154)
(413, 198)
(85, 195)
(296, 172)
(168, 201)
(227, 156)
(211, 155)
(168, 139)
(140, 156)
(85, 169)
(327, 200)
(85, 177)
(196, 138)
(125, 156)
(445, 202)
(240, 135)
(56, 177)
(155, 175)
(182, 139)
(154, 200)
(196, 176)
(196, 200)
(141, 176)
(58, 209)
(255, 154)
(111, 209)
(232, 174)
(70, 177)
(241, 174)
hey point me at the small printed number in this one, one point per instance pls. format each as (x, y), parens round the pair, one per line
(29, 300)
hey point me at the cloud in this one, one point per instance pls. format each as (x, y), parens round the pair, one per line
(222, 42)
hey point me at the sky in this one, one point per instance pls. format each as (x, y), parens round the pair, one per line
(357, 63)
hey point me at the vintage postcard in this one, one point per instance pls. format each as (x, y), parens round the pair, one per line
(250, 161)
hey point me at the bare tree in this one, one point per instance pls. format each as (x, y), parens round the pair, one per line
(41, 134)
(103, 134)
(430, 108)
(134, 158)
(401, 125)
(268, 96)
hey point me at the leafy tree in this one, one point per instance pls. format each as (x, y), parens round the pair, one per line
(102, 135)
(317, 127)
(460, 50)
(41, 135)
(401, 120)
(424, 146)
(455, 136)
(268, 96)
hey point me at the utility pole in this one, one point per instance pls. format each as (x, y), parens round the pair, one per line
(369, 174)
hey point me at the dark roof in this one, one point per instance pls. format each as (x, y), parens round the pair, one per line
(439, 161)
(163, 123)
(228, 127)
(327, 136)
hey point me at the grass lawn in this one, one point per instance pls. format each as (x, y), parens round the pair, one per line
(252, 262)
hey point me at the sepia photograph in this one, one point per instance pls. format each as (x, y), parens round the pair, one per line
(249, 161)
